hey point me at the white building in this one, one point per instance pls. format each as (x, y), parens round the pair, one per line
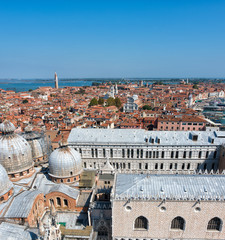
(139, 150)
(131, 104)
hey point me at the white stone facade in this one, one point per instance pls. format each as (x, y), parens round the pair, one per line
(143, 159)
(133, 156)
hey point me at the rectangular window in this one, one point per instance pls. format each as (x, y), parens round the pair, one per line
(188, 166)
(111, 153)
(146, 166)
(139, 165)
(123, 153)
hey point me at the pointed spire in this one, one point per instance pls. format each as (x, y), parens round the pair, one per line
(53, 210)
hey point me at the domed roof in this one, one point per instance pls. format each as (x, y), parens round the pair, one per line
(15, 151)
(5, 184)
(37, 141)
(29, 134)
(65, 162)
(7, 127)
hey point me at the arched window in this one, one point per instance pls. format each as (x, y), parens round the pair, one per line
(65, 202)
(58, 201)
(178, 223)
(141, 223)
(214, 224)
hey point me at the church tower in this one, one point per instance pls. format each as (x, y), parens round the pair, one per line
(56, 81)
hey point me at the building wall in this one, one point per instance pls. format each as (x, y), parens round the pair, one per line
(142, 158)
(37, 211)
(71, 202)
(67, 180)
(180, 126)
(20, 175)
(6, 196)
(159, 222)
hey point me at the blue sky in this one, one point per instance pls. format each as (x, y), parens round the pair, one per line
(124, 38)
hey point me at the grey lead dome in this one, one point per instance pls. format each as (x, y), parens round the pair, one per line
(65, 162)
(5, 184)
(37, 141)
(15, 151)
(7, 127)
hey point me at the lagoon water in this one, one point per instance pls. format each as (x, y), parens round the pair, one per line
(26, 85)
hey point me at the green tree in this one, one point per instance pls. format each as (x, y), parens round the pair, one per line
(110, 102)
(25, 101)
(30, 90)
(117, 102)
(93, 102)
(100, 101)
(195, 86)
(147, 107)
